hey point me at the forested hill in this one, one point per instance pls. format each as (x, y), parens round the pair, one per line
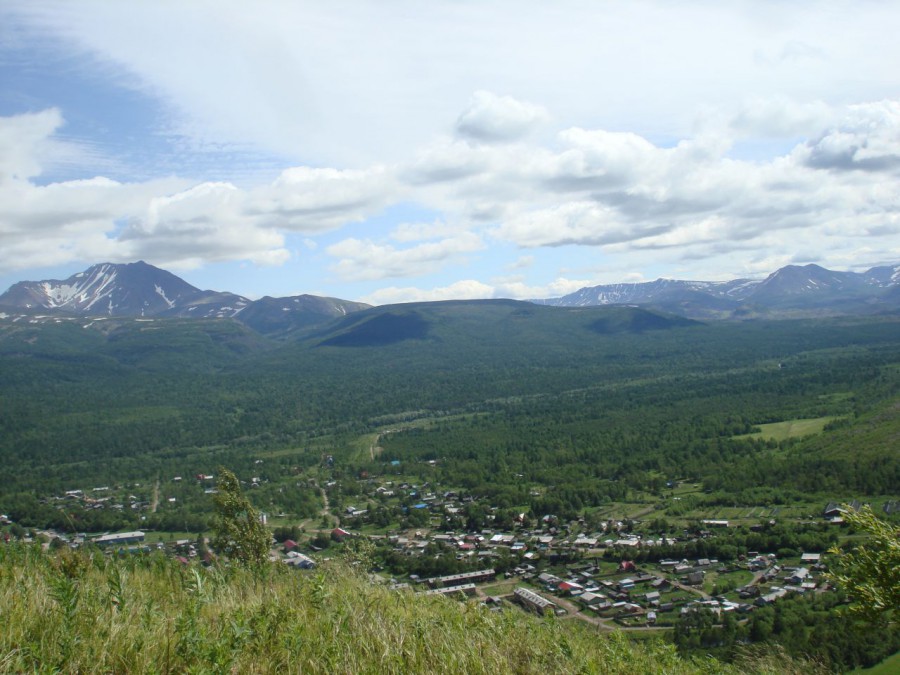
(633, 394)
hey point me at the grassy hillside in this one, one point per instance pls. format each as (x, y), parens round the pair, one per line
(91, 613)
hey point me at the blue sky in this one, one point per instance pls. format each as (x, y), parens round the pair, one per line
(391, 152)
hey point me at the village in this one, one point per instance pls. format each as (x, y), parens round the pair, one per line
(611, 574)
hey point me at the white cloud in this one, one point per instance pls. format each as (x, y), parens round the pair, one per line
(447, 160)
(780, 117)
(471, 289)
(517, 289)
(161, 221)
(582, 223)
(362, 260)
(204, 223)
(22, 137)
(491, 118)
(663, 192)
(313, 200)
(468, 289)
(866, 138)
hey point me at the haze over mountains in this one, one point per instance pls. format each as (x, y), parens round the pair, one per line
(142, 290)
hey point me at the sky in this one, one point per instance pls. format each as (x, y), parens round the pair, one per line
(395, 151)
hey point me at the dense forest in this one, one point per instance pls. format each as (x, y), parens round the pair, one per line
(591, 402)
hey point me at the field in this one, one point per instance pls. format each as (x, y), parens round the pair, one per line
(780, 431)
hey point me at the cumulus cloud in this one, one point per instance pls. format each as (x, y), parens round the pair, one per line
(311, 200)
(780, 117)
(620, 192)
(363, 260)
(468, 289)
(582, 223)
(445, 161)
(205, 223)
(613, 191)
(867, 138)
(491, 118)
(518, 289)
(471, 289)
(164, 221)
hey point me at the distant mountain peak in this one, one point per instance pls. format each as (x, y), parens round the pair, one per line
(111, 289)
(793, 290)
(139, 289)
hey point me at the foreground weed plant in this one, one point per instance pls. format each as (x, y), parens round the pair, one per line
(89, 612)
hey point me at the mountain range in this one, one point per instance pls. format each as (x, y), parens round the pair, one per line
(792, 291)
(140, 290)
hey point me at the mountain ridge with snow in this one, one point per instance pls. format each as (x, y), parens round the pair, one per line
(142, 290)
(791, 290)
(137, 290)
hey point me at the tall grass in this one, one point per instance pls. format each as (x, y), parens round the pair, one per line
(87, 612)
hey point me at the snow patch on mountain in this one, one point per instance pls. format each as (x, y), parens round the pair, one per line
(162, 294)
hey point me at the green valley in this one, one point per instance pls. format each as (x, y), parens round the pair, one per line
(539, 442)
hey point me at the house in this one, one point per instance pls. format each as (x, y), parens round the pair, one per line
(120, 538)
(466, 577)
(339, 534)
(591, 599)
(548, 579)
(749, 592)
(771, 597)
(300, 561)
(532, 601)
(627, 608)
(465, 589)
(835, 512)
(570, 587)
(289, 545)
(694, 579)
(626, 566)
(798, 576)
